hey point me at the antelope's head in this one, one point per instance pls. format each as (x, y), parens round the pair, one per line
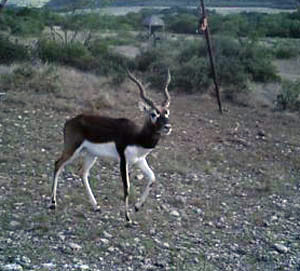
(158, 116)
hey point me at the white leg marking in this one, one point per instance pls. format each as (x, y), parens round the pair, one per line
(88, 163)
(143, 165)
(127, 196)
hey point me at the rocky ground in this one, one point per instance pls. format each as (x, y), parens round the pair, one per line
(226, 198)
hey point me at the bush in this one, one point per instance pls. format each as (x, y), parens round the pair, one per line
(27, 27)
(23, 22)
(147, 58)
(93, 58)
(27, 78)
(115, 65)
(193, 75)
(73, 54)
(192, 49)
(184, 24)
(286, 52)
(237, 63)
(260, 66)
(289, 97)
(257, 62)
(10, 52)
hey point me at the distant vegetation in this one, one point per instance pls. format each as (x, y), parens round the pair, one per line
(242, 52)
(62, 4)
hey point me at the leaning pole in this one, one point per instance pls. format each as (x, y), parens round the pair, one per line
(203, 27)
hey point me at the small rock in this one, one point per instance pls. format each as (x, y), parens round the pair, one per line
(166, 245)
(48, 265)
(175, 213)
(74, 246)
(12, 267)
(180, 199)
(193, 176)
(107, 235)
(111, 249)
(274, 218)
(281, 248)
(82, 267)
(24, 261)
(139, 177)
(61, 236)
(104, 241)
(14, 223)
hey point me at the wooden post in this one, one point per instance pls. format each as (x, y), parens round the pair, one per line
(203, 27)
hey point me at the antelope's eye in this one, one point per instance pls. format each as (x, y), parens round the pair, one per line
(154, 115)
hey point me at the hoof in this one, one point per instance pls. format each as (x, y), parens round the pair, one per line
(137, 207)
(131, 224)
(128, 219)
(52, 205)
(97, 209)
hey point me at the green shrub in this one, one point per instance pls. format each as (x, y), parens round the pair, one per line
(147, 58)
(184, 23)
(286, 52)
(257, 61)
(27, 27)
(236, 63)
(115, 65)
(156, 75)
(93, 58)
(73, 54)
(191, 49)
(193, 75)
(289, 97)
(98, 47)
(10, 52)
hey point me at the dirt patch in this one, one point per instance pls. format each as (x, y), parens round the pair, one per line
(127, 50)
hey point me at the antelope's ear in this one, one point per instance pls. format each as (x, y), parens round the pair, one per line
(144, 107)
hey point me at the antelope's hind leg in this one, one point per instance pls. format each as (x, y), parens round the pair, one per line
(66, 158)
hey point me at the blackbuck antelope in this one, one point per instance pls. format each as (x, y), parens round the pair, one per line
(120, 139)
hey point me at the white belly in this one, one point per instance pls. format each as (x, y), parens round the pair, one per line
(132, 153)
(101, 149)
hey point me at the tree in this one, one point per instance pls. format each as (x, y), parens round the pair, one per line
(75, 24)
(74, 5)
(2, 4)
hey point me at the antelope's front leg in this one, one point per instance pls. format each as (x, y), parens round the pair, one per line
(143, 165)
(87, 165)
(126, 184)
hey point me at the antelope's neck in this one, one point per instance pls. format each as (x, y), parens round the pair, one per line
(148, 137)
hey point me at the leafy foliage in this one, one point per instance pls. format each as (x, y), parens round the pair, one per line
(98, 59)
(184, 23)
(10, 51)
(237, 63)
(23, 22)
(289, 97)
